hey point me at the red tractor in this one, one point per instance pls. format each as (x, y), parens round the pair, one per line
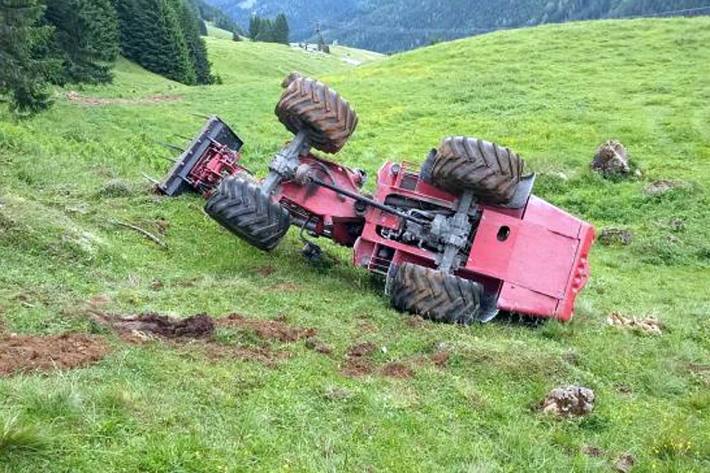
(458, 240)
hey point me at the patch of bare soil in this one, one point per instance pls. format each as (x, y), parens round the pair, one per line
(647, 326)
(268, 329)
(147, 326)
(265, 271)
(357, 360)
(397, 370)
(263, 355)
(75, 97)
(19, 353)
(358, 363)
(440, 359)
(570, 401)
(592, 451)
(315, 344)
(415, 321)
(624, 463)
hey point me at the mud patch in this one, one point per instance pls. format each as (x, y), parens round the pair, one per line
(76, 98)
(148, 326)
(645, 326)
(265, 271)
(268, 329)
(20, 354)
(570, 401)
(415, 321)
(592, 451)
(624, 463)
(318, 346)
(440, 359)
(397, 370)
(357, 360)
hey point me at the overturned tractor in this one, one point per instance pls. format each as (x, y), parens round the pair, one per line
(458, 240)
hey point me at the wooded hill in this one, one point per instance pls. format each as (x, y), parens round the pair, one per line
(76, 41)
(394, 25)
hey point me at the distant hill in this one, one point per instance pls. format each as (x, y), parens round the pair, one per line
(395, 25)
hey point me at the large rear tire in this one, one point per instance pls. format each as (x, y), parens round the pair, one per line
(241, 207)
(435, 295)
(490, 171)
(311, 106)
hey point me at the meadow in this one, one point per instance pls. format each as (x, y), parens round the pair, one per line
(552, 93)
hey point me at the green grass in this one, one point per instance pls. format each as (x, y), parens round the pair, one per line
(215, 32)
(552, 93)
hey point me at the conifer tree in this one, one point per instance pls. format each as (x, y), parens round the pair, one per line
(24, 66)
(280, 29)
(254, 27)
(85, 39)
(190, 24)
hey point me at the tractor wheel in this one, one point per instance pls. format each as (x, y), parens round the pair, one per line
(309, 105)
(435, 295)
(241, 207)
(490, 171)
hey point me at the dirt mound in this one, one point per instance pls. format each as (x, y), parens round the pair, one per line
(570, 401)
(268, 329)
(662, 186)
(648, 325)
(397, 370)
(357, 362)
(79, 99)
(32, 353)
(145, 326)
(611, 159)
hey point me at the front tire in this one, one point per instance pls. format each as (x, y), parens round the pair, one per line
(311, 106)
(469, 164)
(435, 295)
(241, 207)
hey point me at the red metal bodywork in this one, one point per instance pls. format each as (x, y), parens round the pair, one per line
(535, 259)
(532, 260)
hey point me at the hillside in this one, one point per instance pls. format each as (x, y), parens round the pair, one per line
(395, 25)
(249, 402)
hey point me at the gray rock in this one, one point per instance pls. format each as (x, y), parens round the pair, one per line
(570, 401)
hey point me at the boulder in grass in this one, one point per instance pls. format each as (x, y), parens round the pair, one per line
(569, 401)
(611, 159)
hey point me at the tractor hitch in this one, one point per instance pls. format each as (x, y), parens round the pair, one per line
(211, 157)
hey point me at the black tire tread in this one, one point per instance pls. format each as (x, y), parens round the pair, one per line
(310, 105)
(435, 295)
(240, 207)
(463, 163)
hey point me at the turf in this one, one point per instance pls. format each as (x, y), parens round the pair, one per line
(552, 93)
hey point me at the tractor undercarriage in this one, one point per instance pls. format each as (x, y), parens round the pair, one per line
(457, 240)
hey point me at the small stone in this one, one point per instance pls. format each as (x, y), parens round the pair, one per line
(570, 401)
(615, 236)
(611, 159)
(660, 187)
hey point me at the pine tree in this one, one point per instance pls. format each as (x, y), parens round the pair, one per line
(190, 24)
(281, 30)
(254, 27)
(85, 39)
(151, 35)
(24, 65)
(266, 31)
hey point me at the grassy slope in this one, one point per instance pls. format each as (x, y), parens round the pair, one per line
(553, 93)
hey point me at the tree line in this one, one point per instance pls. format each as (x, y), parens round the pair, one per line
(61, 42)
(269, 31)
